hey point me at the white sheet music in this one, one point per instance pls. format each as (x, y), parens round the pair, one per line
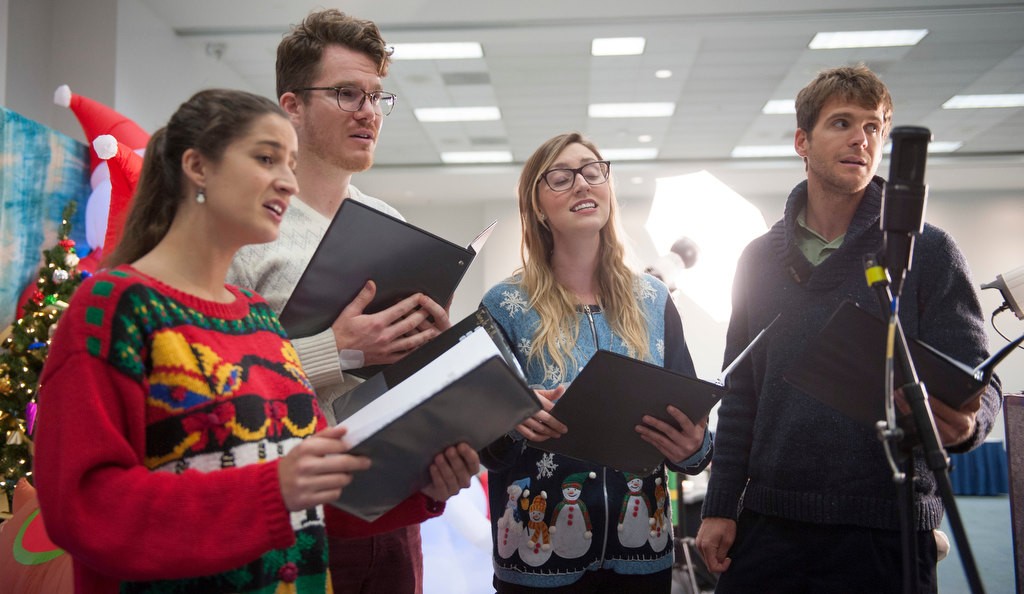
(470, 352)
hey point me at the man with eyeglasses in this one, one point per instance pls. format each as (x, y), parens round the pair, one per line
(329, 70)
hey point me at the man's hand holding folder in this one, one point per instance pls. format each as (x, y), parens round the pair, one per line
(386, 336)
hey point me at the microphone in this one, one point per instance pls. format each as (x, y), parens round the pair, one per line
(1011, 285)
(903, 200)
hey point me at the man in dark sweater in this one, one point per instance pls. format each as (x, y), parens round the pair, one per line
(801, 498)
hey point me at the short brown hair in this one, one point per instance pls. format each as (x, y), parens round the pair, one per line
(857, 84)
(299, 53)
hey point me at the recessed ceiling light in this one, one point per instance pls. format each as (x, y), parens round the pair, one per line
(629, 154)
(457, 114)
(617, 46)
(636, 180)
(663, 74)
(848, 39)
(437, 51)
(630, 110)
(779, 106)
(984, 101)
(644, 138)
(477, 157)
(763, 150)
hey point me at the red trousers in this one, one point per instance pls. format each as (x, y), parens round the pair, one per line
(387, 563)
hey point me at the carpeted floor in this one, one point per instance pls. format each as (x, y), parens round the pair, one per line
(987, 523)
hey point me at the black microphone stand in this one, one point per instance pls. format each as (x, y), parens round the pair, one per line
(923, 428)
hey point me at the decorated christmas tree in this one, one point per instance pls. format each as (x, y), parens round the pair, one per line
(23, 350)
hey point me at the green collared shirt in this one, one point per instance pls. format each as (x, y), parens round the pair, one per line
(813, 246)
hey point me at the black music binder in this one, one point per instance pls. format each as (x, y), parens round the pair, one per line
(461, 389)
(610, 397)
(361, 244)
(843, 366)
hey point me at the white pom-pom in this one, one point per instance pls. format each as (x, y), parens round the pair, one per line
(62, 96)
(105, 145)
(592, 474)
(526, 492)
(552, 529)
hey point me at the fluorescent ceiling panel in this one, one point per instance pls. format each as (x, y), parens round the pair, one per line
(629, 154)
(630, 110)
(457, 114)
(984, 101)
(849, 39)
(763, 150)
(617, 46)
(477, 157)
(437, 51)
(779, 106)
(946, 146)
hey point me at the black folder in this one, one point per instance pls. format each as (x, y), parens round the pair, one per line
(843, 366)
(610, 397)
(361, 244)
(417, 407)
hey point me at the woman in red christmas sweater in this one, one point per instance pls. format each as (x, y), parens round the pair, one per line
(180, 447)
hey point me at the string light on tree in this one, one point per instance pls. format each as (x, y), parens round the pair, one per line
(24, 347)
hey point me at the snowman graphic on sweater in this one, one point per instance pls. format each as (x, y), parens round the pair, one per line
(510, 525)
(660, 524)
(635, 516)
(571, 531)
(535, 549)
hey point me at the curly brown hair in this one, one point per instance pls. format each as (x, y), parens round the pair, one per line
(299, 53)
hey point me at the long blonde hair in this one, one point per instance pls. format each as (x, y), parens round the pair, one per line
(559, 326)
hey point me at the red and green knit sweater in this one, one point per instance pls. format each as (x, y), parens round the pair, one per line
(161, 420)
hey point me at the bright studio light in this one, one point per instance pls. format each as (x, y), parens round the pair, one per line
(720, 221)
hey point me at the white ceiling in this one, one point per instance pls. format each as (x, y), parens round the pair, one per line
(728, 58)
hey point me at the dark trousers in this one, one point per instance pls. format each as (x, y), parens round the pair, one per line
(601, 581)
(776, 555)
(388, 563)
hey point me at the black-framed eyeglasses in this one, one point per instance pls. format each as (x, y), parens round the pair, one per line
(351, 99)
(594, 173)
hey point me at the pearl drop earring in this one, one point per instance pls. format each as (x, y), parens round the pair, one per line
(200, 196)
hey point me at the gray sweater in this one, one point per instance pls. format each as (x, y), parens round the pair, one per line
(786, 454)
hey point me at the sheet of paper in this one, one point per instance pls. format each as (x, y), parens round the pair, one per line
(471, 351)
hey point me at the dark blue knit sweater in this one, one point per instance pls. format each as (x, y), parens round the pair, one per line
(788, 455)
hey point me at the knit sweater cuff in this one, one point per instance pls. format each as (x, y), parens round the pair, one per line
(319, 357)
(279, 523)
(720, 503)
(692, 465)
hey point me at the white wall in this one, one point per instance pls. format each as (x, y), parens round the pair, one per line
(151, 94)
(102, 49)
(5, 20)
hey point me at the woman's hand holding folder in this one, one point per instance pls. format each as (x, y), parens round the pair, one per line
(543, 425)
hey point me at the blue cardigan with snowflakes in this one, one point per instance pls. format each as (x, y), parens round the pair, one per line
(555, 517)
